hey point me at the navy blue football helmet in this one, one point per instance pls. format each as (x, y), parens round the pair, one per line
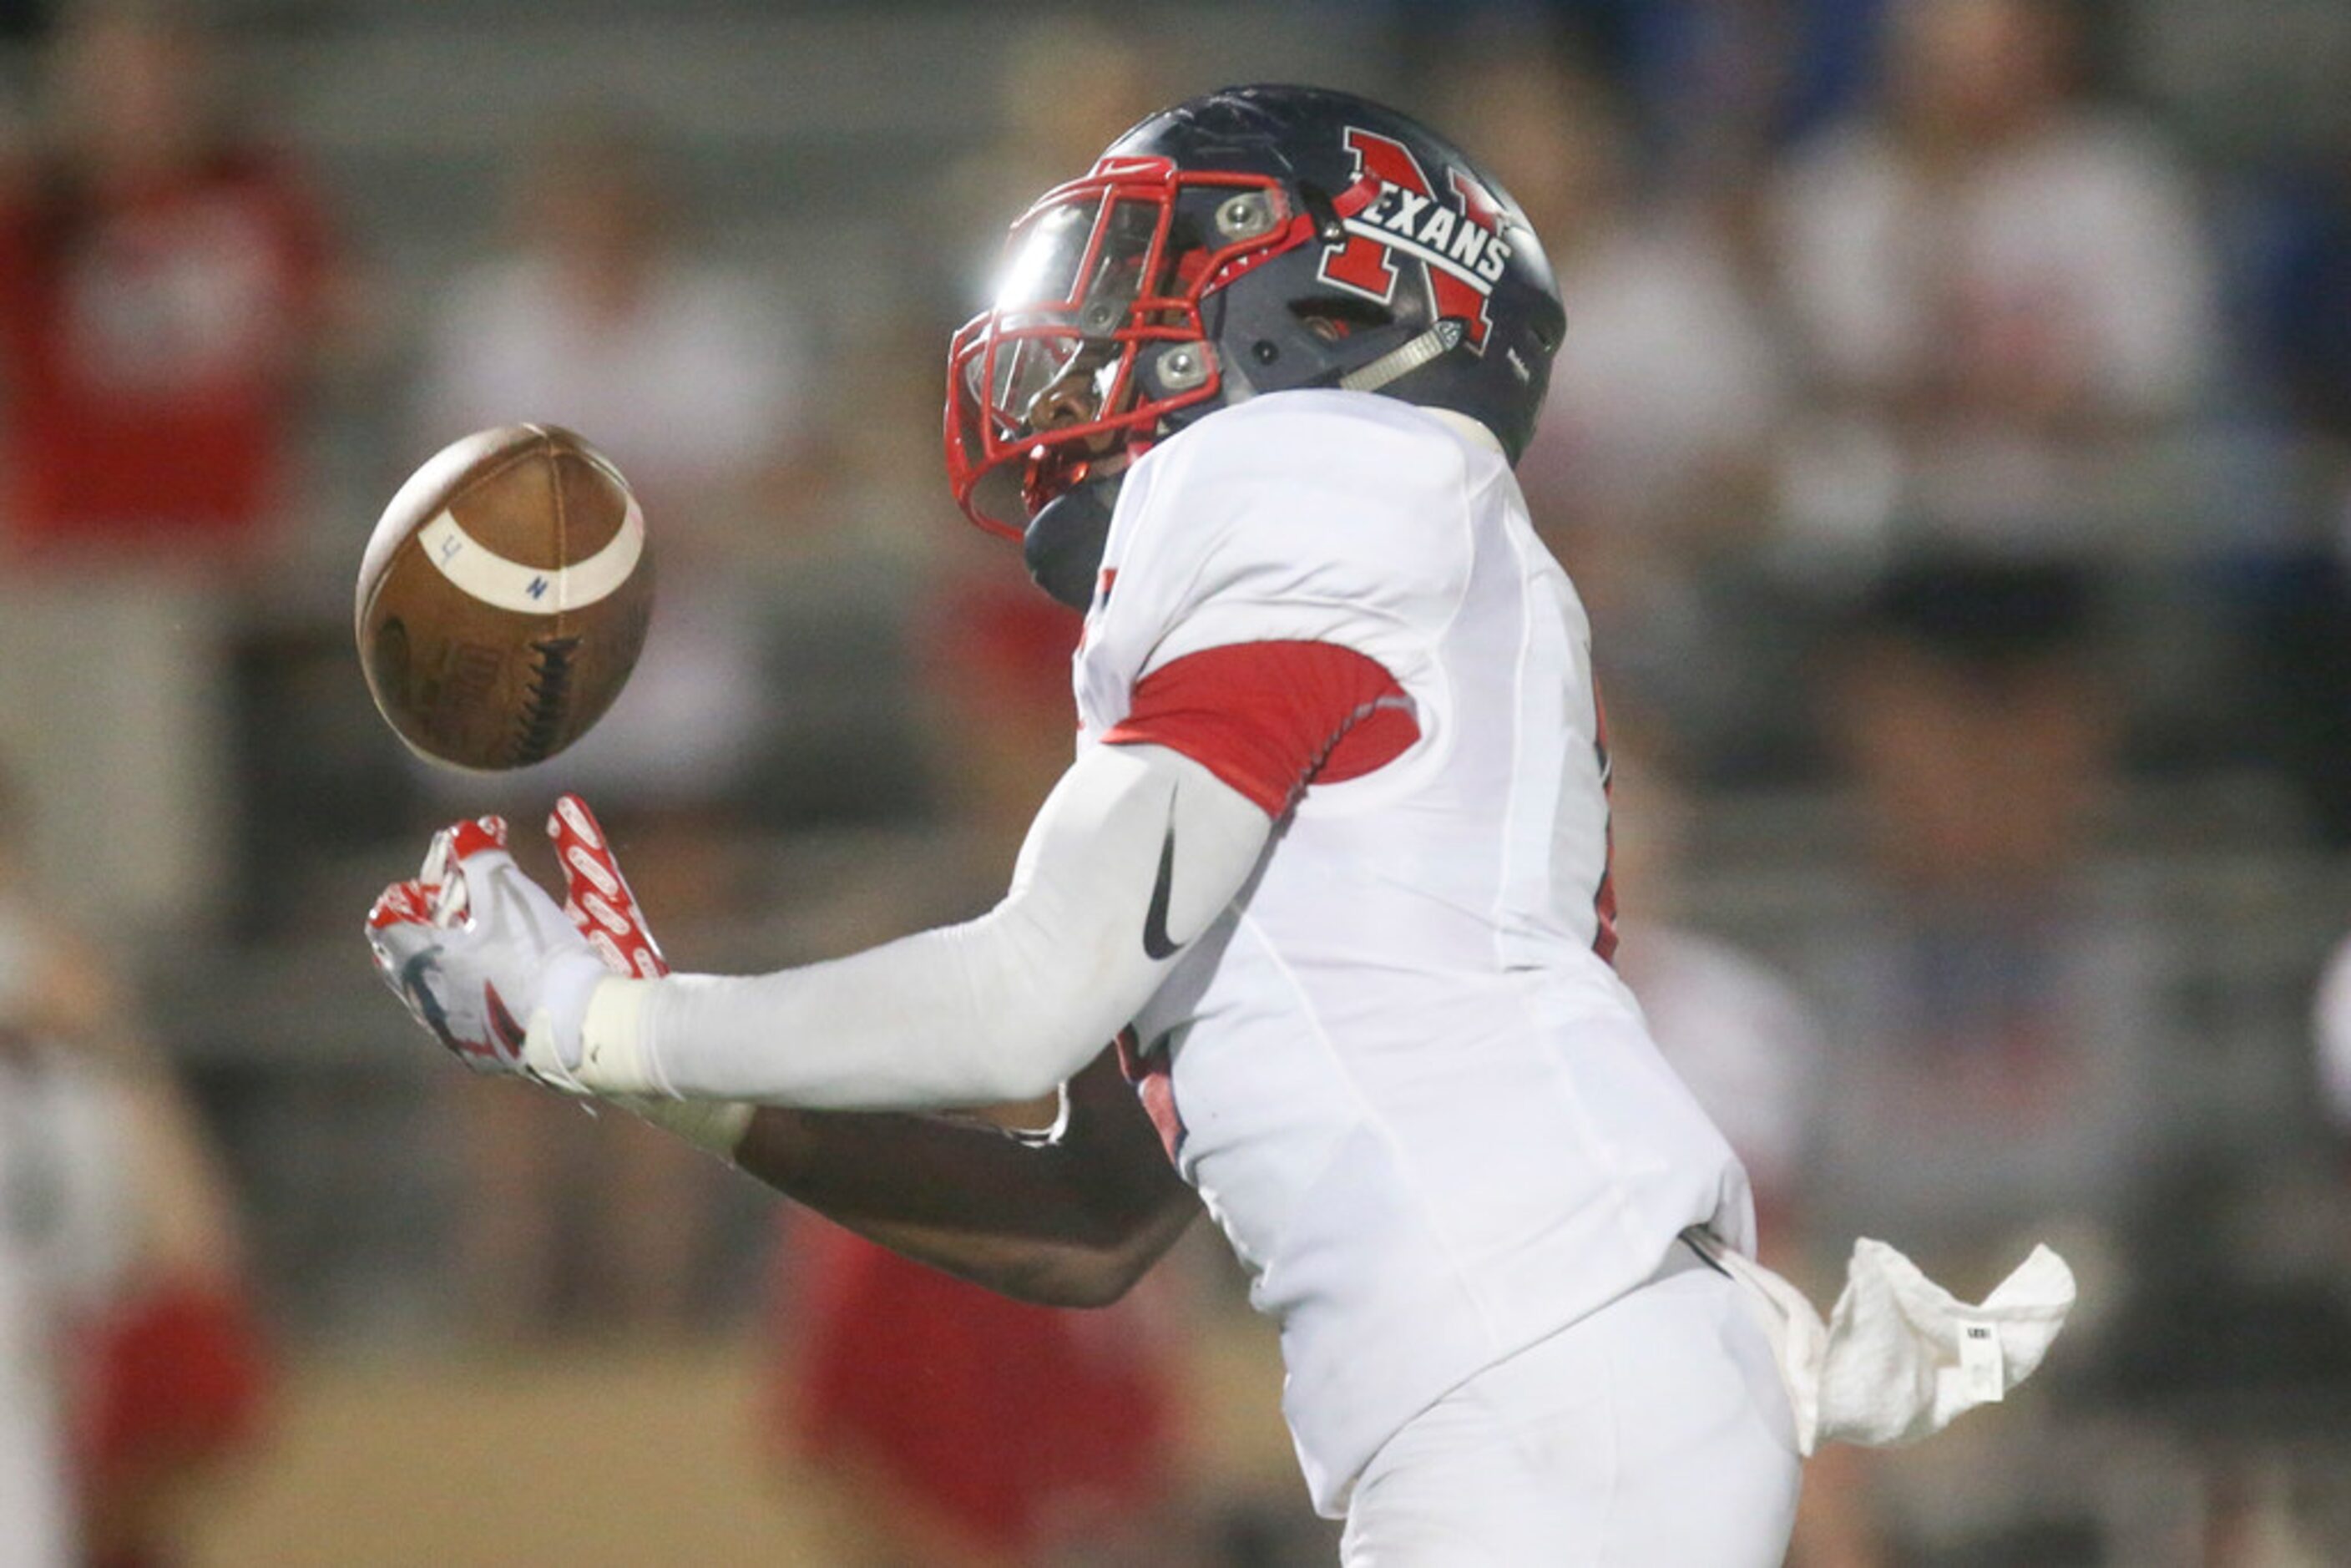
(1258, 239)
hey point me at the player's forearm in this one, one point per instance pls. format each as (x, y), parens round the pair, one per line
(1072, 1223)
(933, 1021)
(1134, 844)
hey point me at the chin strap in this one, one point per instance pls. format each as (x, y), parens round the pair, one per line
(1063, 542)
(1404, 359)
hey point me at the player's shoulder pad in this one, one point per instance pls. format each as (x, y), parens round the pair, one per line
(1304, 498)
(1323, 448)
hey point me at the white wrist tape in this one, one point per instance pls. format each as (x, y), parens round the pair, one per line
(612, 1041)
(1138, 851)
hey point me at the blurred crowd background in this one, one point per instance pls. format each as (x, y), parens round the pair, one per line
(1952, 443)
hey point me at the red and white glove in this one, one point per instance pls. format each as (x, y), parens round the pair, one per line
(598, 900)
(483, 959)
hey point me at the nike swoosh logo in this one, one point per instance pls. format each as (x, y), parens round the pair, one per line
(413, 976)
(1156, 943)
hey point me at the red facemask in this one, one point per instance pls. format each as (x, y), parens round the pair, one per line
(1084, 351)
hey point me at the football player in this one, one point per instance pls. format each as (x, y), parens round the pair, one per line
(1332, 867)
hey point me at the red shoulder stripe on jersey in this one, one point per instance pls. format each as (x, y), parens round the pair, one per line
(1269, 718)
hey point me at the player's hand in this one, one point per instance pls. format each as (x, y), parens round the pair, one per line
(483, 959)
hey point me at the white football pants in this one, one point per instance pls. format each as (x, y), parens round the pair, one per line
(1653, 1433)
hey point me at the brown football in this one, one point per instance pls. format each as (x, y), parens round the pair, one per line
(504, 597)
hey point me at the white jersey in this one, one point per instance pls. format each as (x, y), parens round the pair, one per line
(1425, 1111)
(65, 1243)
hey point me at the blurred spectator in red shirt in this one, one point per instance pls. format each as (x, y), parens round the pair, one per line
(952, 1425)
(164, 284)
(130, 1362)
(1999, 283)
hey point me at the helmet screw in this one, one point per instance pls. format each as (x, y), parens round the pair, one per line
(1265, 350)
(1245, 217)
(1182, 368)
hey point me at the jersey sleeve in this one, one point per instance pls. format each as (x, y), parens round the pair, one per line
(1302, 520)
(1270, 718)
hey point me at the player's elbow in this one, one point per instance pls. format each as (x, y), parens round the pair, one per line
(1036, 1051)
(1048, 992)
(1081, 1277)
(1018, 1080)
(1100, 1289)
(1095, 1263)
(1099, 1273)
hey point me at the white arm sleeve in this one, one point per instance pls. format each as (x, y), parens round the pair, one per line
(1134, 854)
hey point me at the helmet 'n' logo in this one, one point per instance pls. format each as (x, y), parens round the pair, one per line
(1392, 211)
